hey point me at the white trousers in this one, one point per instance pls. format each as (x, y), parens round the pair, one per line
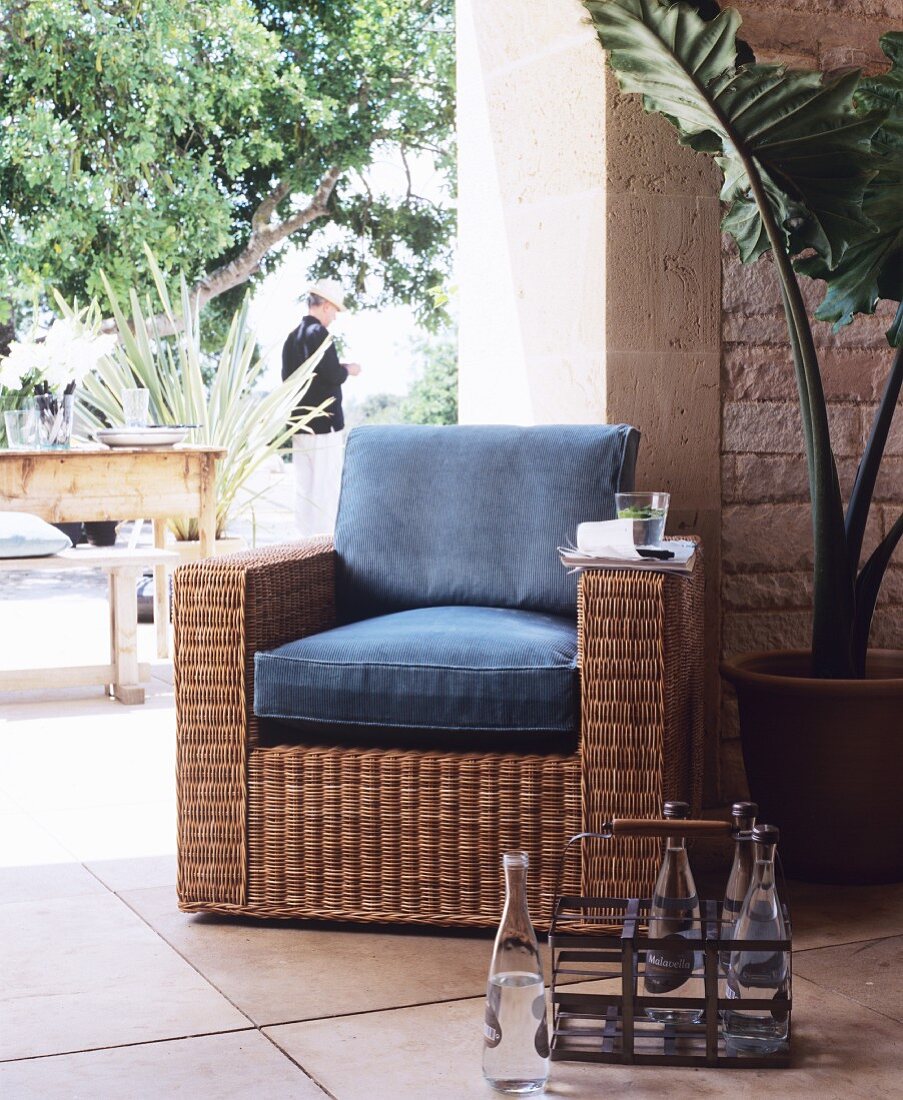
(317, 460)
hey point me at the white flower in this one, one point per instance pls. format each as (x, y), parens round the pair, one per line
(23, 358)
(66, 354)
(61, 333)
(85, 353)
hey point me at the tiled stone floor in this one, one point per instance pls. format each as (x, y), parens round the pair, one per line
(107, 991)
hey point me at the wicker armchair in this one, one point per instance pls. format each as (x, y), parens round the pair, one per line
(388, 834)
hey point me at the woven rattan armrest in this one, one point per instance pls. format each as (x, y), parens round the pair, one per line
(640, 639)
(225, 610)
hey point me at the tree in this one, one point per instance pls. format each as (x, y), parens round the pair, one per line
(377, 408)
(216, 132)
(433, 398)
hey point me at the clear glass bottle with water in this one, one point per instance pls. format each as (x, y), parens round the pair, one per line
(743, 815)
(760, 975)
(675, 969)
(515, 1032)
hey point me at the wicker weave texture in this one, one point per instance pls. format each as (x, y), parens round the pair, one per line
(395, 835)
(290, 588)
(401, 835)
(641, 655)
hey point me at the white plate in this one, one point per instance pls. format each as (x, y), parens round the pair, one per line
(160, 436)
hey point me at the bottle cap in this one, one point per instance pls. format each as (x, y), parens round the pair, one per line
(676, 810)
(744, 809)
(766, 834)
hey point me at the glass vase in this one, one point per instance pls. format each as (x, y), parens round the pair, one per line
(55, 412)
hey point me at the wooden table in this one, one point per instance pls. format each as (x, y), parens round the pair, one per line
(123, 675)
(103, 483)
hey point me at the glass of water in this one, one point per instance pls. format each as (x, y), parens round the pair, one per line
(135, 404)
(21, 429)
(648, 512)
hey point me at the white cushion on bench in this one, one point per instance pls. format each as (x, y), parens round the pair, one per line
(23, 535)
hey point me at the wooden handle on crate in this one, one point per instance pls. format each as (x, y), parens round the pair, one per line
(641, 826)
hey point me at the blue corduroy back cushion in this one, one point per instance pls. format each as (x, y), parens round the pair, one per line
(471, 514)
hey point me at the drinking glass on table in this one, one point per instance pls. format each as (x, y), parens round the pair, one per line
(648, 512)
(135, 405)
(21, 429)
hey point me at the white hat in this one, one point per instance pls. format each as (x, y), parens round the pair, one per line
(331, 290)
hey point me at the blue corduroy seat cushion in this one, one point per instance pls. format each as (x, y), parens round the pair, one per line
(461, 668)
(471, 514)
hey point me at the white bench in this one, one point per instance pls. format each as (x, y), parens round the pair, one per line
(123, 676)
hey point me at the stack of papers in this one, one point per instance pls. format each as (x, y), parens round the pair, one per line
(609, 545)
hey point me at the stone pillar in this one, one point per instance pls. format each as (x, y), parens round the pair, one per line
(531, 209)
(588, 271)
(594, 286)
(663, 341)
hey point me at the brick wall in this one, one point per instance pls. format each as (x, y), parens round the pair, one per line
(766, 527)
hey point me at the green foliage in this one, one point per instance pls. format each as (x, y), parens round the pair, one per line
(809, 162)
(433, 398)
(229, 411)
(872, 268)
(809, 144)
(378, 408)
(170, 121)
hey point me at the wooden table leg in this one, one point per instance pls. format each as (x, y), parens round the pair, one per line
(207, 514)
(124, 635)
(161, 593)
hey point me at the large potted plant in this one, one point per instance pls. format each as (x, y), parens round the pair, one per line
(221, 395)
(813, 174)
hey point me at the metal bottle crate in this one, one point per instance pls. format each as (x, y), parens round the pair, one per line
(605, 940)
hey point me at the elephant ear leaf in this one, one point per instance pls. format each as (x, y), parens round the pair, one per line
(796, 132)
(872, 268)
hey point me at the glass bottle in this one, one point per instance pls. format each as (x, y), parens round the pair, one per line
(743, 816)
(762, 975)
(674, 915)
(515, 1032)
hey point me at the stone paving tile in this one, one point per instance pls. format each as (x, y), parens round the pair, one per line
(24, 842)
(277, 972)
(85, 972)
(433, 1052)
(143, 873)
(212, 1067)
(46, 881)
(871, 973)
(96, 833)
(9, 804)
(91, 755)
(824, 916)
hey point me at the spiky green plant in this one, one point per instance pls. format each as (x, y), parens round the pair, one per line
(231, 412)
(810, 162)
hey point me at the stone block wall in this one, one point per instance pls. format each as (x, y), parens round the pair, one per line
(595, 285)
(766, 540)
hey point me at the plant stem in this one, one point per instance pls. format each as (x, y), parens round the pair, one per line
(867, 474)
(832, 622)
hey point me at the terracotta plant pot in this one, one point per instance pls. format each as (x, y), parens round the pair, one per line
(824, 759)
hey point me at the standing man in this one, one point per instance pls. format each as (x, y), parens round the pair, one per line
(318, 457)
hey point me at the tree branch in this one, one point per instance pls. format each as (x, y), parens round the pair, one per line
(407, 172)
(264, 237)
(261, 216)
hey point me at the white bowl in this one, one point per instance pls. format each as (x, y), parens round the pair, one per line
(160, 435)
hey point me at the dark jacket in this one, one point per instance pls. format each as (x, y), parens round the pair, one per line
(329, 374)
